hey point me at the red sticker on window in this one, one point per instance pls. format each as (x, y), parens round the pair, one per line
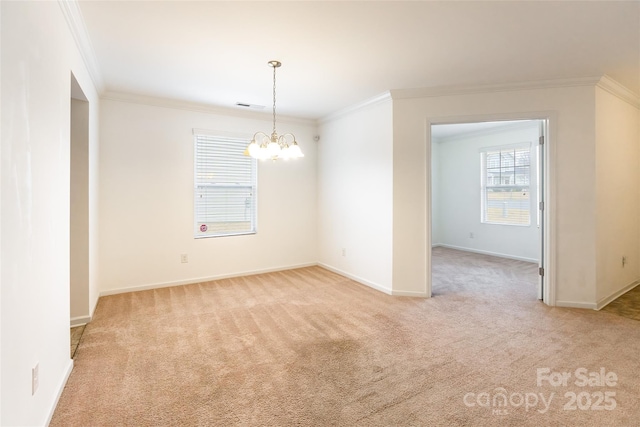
(203, 228)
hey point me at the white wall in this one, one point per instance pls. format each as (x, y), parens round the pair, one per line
(79, 211)
(436, 185)
(458, 195)
(572, 111)
(618, 208)
(94, 200)
(38, 56)
(146, 204)
(354, 194)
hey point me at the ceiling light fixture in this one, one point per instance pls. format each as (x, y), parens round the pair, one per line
(273, 147)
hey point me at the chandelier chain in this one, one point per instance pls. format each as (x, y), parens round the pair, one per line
(274, 100)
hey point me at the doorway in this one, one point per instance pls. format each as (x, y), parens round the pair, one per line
(488, 190)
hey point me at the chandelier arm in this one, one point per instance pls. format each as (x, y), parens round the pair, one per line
(257, 134)
(284, 139)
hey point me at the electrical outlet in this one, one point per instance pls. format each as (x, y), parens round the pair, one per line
(184, 258)
(344, 252)
(35, 378)
(624, 260)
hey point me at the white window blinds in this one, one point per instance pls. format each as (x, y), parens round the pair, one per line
(506, 174)
(224, 187)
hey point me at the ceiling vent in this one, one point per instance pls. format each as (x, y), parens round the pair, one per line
(252, 106)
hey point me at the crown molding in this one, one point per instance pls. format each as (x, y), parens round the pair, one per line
(385, 96)
(503, 87)
(75, 21)
(201, 108)
(613, 87)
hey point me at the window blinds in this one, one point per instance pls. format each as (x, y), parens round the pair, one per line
(506, 185)
(224, 187)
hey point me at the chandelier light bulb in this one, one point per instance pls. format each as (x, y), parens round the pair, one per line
(274, 149)
(284, 153)
(253, 149)
(263, 153)
(295, 151)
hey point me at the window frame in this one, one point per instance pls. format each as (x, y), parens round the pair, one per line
(484, 151)
(241, 141)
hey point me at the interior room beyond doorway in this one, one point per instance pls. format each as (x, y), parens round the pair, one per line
(486, 219)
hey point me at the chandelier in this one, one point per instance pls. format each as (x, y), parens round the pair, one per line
(263, 146)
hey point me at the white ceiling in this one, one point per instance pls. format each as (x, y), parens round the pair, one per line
(336, 54)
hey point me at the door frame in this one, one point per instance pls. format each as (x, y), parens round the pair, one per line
(549, 190)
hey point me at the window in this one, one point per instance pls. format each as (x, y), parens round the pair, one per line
(506, 174)
(224, 187)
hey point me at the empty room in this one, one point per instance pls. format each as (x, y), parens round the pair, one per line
(319, 213)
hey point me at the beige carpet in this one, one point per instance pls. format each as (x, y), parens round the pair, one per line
(309, 347)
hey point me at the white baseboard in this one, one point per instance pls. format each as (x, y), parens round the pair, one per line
(480, 251)
(199, 280)
(606, 300)
(574, 304)
(83, 320)
(360, 280)
(80, 320)
(61, 385)
(410, 294)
